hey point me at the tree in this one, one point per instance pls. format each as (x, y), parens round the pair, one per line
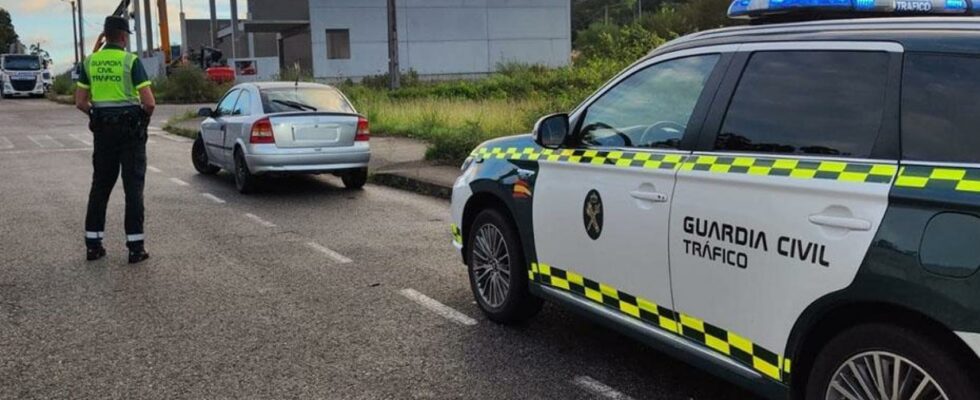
(8, 35)
(38, 51)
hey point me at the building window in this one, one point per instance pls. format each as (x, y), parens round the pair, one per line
(338, 44)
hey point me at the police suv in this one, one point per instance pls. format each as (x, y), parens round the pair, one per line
(794, 207)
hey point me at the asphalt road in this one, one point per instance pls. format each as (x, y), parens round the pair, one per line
(305, 290)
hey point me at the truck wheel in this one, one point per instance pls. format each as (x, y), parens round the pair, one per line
(878, 361)
(199, 156)
(498, 270)
(355, 179)
(245, 182)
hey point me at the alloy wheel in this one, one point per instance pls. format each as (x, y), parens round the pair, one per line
(881, 375)
(491, 265)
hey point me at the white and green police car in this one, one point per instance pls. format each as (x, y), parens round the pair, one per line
(794, 207)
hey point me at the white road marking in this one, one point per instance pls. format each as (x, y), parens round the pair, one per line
(260, 221)
(46, 151)
(5, 143)
(151, 141)
(329, 253)
(154, 169)
(179, 182)
(45, 141)
(81, 137)
(437, 307)
(213, 198)
(155, 128)
(597, 388)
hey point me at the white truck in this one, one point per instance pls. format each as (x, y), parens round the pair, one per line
(22, 75)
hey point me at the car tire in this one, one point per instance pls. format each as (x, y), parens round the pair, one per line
(498, 278)
(245, 182)
(355, 179)
(199, 156)
(919, 355)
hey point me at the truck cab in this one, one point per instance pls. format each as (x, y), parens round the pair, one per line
(22, 75)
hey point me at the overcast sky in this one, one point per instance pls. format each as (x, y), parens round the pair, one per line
(49, 22)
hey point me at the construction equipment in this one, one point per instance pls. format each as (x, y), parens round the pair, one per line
(122, 10)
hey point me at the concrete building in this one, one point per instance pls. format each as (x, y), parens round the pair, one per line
(341, 39)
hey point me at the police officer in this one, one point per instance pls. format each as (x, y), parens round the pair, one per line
(114, 90)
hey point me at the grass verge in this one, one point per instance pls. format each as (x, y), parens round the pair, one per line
(173, 125)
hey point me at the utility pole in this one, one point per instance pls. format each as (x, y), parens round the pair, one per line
(183, 33)
(74, 29)
(606, 18)
(148, 17)
(639, 4)
(138, 27)
(394, 74)
(214, 25)
(81, 31)
(234, 28)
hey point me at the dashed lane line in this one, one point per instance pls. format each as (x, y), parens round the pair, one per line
(45, 151)
(339, 258)
(81, 138)
(259, 220)
(597, 388)
(213, 198)
(153, 169)
(179, 182)
(45, 141)
(437, 307)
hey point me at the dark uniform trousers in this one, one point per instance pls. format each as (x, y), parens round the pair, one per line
(120, 143)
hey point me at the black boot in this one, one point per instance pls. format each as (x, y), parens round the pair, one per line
(136, 256)
(136, 252)
(95, 253)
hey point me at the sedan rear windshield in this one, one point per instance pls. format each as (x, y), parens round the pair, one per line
(304, 99)
(23, 63)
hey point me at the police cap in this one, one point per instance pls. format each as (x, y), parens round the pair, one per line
(114, 23)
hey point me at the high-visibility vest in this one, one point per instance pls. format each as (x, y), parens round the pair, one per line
(110, 75)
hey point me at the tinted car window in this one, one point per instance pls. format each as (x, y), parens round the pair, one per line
(244, 104)
(292, 99)
(651, 108)
(807, 102)
(940, 118)
(227, 104)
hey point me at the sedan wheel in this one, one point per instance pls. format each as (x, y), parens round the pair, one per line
(244, 180)
(877, 375)
(199, 156)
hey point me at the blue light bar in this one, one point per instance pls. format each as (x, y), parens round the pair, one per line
(763, 8)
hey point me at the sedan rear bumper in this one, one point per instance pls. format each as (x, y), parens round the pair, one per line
(263, 159)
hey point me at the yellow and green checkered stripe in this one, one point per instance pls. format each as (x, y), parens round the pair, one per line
(759, 166)
(457, 234)
(940, 178)
(720, 340)
(793, 168)
(622, 159)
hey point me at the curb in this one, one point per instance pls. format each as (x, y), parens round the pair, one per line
(412, 185)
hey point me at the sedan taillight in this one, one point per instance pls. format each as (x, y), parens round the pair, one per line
(262, 132)
(363, 130)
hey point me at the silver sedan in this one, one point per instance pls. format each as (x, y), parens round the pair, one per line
(280, 128)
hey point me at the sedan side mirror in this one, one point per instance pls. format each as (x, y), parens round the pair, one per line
(552, 131)
(205, 112)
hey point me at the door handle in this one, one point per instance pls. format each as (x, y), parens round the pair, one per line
(649, 196)
(853, 224)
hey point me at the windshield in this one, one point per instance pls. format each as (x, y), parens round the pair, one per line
(21, 63)
(291, 99)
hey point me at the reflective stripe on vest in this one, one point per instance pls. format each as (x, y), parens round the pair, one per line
(110, 74)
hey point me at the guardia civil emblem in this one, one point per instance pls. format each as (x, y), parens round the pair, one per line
(592, 214)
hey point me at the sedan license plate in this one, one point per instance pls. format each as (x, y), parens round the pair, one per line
(316, 134)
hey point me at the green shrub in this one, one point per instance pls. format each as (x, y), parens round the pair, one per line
(625, 42)
(187, 84)
(63, 84)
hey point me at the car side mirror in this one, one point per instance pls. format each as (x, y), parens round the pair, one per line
(206, 112)
(552, 131)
